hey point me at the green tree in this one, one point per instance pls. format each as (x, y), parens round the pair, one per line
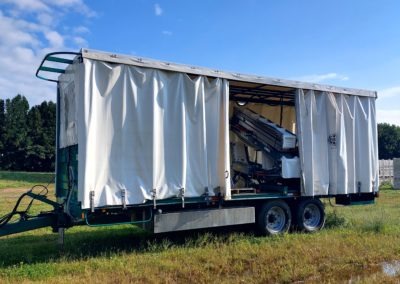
(48, 115)
(2, 121)
(41, 138)
(27, 136)
(35, 152)
(388, 141)
(15, 133)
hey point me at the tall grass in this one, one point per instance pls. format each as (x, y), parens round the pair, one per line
(352, 247)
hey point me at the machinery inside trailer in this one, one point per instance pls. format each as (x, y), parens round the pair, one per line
(263, 143)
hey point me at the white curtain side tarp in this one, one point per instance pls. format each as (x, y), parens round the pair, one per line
(338, 145)
(141, 129)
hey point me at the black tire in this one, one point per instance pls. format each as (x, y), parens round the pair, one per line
(274, 218)
(310, 215)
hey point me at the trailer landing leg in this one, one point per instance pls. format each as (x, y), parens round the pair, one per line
(61, 237)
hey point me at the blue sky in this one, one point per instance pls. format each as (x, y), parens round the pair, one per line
(345, 43)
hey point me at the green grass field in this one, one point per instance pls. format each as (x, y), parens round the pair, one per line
(358, 244)
(23, 179)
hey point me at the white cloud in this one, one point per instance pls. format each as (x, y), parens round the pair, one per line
(67, 2)
(79, 41)
(55, 39)
(29, 30)
(29, 5)
(25, 54)
(388, 105)
(391, 116)
(45, 19)
(76, 5)
(15, 32)
(81, 30)
(157, 9)
(389, 92)
(167, 33)
(318, 78)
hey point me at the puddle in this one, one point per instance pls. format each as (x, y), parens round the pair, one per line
(388, 268)
(391, 268)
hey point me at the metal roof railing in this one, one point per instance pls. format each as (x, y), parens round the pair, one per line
(56, 57)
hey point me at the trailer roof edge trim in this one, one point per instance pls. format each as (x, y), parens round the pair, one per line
(169, 66)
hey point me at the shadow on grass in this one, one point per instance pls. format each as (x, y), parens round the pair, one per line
(85, 243)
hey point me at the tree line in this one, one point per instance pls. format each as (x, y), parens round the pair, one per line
(27, 136)
(388, 141)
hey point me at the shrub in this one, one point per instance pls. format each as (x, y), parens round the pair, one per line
(335, 220)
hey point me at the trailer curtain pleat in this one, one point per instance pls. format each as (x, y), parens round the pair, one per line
(338, 145)
(151, 133)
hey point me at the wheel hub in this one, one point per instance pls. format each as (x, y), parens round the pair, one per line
(311, 216)
(276, 219)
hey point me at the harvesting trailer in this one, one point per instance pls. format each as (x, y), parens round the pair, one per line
(174, 147)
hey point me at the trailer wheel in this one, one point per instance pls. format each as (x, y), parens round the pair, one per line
(274, 218)
(310, 215)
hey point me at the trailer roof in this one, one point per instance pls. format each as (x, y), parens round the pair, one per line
(151, 63)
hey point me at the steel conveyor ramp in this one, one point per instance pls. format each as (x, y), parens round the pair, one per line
(263, 135)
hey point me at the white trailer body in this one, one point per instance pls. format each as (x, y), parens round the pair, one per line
(174, 147)
(154, 130)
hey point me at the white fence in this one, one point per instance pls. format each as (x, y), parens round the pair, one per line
(396, 173)
(389, 171)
